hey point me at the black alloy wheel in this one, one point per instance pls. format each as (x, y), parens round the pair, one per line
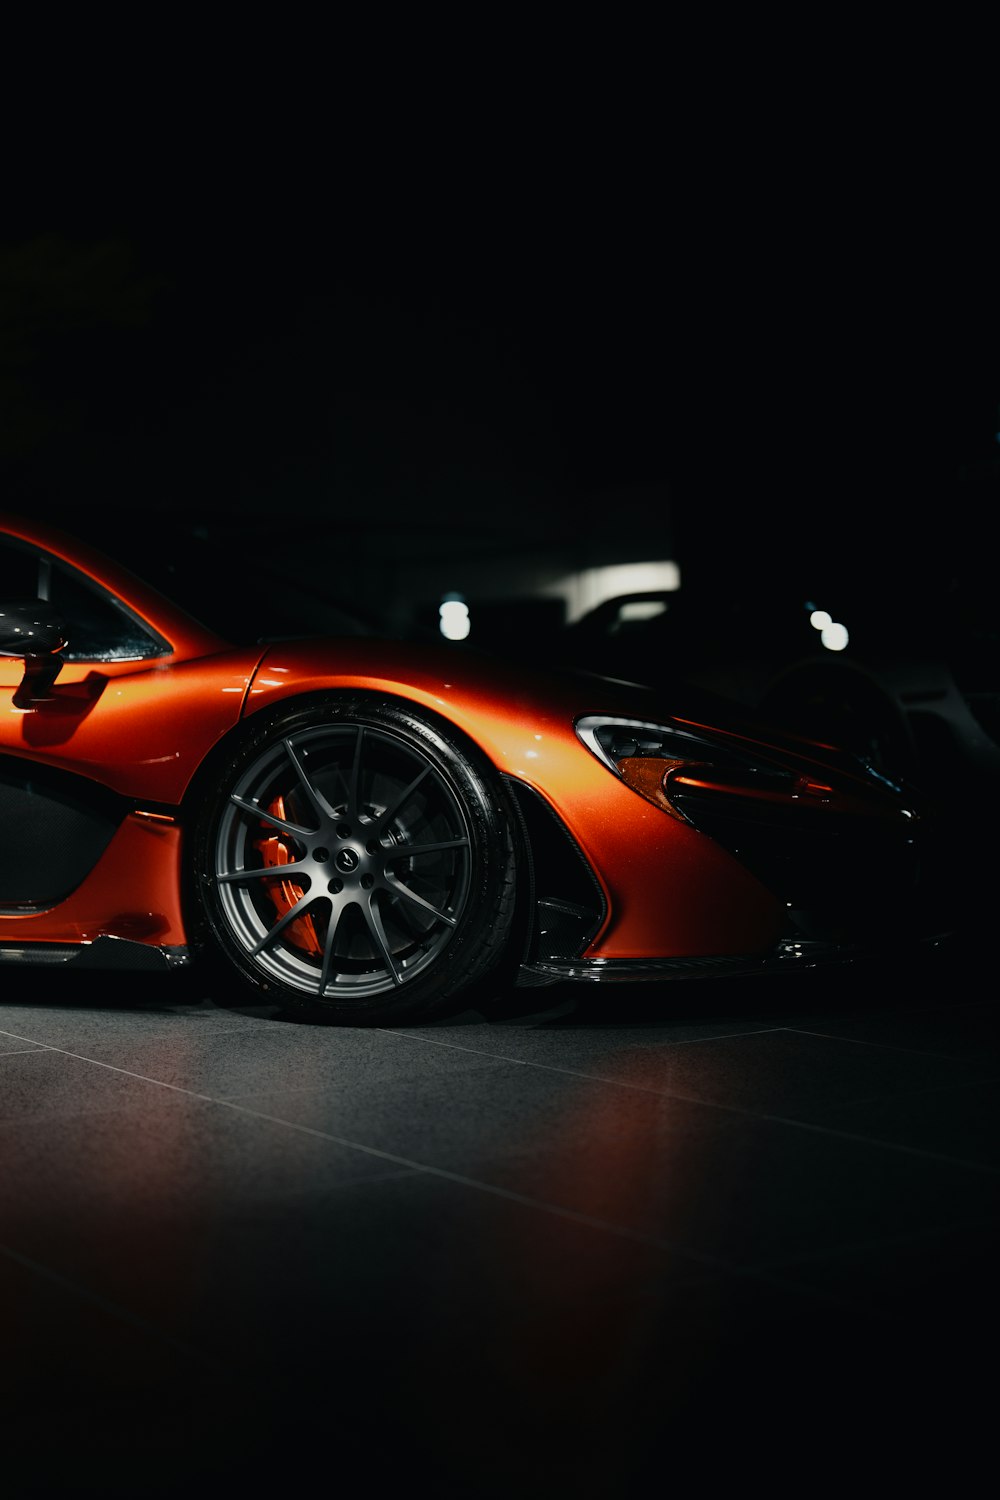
(354, 865)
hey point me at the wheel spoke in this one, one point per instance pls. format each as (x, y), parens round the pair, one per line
(271, 871)
(353, 799)
(373, 919)
(336, 918)
(399, 889)
(408, 849)
(297, 910)
(320, 806)
(256, 811)
(401, 801)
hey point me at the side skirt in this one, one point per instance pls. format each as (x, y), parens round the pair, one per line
(106, 953)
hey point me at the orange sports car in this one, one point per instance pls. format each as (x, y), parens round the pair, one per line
(366, 830)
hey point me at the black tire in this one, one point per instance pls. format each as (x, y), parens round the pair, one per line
(354, 865)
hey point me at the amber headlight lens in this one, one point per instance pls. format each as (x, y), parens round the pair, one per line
(668, 765)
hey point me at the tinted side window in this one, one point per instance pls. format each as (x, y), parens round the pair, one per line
(19, 572)
(98, 628)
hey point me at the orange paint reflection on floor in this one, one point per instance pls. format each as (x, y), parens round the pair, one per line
(576, 1309)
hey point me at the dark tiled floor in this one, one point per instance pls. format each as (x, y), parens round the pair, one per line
(717, 1231)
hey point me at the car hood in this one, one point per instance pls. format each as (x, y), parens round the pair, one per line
(489, 695)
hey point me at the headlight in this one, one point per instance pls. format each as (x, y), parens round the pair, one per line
(676, 769)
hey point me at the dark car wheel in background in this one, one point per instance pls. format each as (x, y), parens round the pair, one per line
(842, 705)
(354, 865)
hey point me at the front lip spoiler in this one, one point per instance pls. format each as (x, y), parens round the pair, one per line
(788, 956)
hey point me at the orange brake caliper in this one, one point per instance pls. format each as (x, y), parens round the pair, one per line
(284, 893)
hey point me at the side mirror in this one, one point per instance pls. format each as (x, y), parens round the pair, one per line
(32, 629)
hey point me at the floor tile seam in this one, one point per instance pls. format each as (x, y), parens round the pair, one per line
(687, 1041)
(248, 1096)
(113, 1309)
(733, 1109)
(16, 1037)
(510, 1195)
(953, 1086)
(148, 1036)
(486, 1065)
(97, 1062)
(708, 1262)
(858, 1041)
(757, 1115)
(725, 1036)
(525, 1200)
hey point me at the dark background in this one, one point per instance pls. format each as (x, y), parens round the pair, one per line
(763, 377)
(771, 355)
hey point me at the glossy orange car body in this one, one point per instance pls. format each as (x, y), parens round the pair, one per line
(147, 729)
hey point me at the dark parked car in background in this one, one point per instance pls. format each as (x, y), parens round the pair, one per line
(908, 678)
(912, 683)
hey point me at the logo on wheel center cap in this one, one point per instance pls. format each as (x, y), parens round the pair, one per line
(347, 860)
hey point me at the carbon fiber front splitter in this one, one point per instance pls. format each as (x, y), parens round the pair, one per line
(788, 956)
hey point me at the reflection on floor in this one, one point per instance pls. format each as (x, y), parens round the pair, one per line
(721, 1230)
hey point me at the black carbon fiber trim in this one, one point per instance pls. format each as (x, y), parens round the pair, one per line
(37, 954)
(105, 953)
(530, 977)
(633, 970)
(787, 957)
(568, 902)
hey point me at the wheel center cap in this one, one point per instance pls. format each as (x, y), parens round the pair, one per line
(347, 860)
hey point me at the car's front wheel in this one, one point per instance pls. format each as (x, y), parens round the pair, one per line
(354, 864)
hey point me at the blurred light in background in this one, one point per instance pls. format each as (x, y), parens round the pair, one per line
(641, 609)
(833, 635)
(454, 615)
(585, 590)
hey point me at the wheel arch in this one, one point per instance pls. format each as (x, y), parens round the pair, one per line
(466, 772)
(550, 865)
(258, 721)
